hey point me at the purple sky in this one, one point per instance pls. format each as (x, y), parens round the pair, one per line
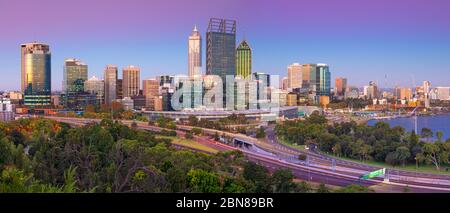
(407, 40)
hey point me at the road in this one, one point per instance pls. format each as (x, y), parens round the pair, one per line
(318, 168)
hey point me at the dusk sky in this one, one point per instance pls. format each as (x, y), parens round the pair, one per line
(363, 40)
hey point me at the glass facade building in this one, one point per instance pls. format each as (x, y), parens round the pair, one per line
(36, 74)
(244, 60)
(221, 48)
(96, 87)
(75, 74)
(323, 80)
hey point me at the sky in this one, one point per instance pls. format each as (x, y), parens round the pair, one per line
(392, 42)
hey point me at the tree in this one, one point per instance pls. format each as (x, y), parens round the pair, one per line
(216, 136)
(6, 152)
(316, 118)
(134, 125)
(282, 181)
(439, 135)
(258, 175)
(402, 154)
(260, 133)
(304, 187)
(430, 153)
(196, 131)
(188, 135)
(193, 120)
(426, 133)
(203, 181)
(323, 188)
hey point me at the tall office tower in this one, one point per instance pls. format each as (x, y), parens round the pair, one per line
(341, 86)
(295, 76)
(322, 80)
(403, 93)
(75, 74)
(119, 89)
(284, 83)
(96, 87)
(195, 53)
(307, 69)
(426, 91)
(244, 60)
(110, 76)
(131, 81)
(221, 48)
(262, 86)
(36, 73)
(371, 90)
(151, 92)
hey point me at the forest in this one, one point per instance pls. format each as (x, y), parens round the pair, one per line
(40, 155)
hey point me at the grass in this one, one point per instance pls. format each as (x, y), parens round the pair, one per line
(190, 143)
(409, 167)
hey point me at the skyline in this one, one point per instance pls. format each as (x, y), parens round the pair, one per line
(408, 41)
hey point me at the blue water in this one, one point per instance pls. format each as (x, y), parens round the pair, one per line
(435, 123)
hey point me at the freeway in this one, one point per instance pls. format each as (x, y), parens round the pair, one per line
(318, 169)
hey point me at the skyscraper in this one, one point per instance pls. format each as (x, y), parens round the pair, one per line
(36, 74)
(262, 86)
(119, 89)
(371, 90)
(75, 74)
(110, 76)
(95, 87)
(221, 48)
(323, 80)
(195, 53)
(307, 69)
(244, 60)
(284, 83)
(426, 91)
(131, 81)
(295, 76)
(341, 86)
(151, 92)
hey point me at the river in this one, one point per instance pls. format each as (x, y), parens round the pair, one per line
(435, 123)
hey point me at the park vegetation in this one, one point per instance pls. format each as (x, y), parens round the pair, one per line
(380, 143)
(40, 155)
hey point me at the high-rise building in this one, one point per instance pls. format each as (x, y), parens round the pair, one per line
(110, 76)
(244, 60)
(321, 80)
(131, 81)
(75, 74)
(151, 92)
(194, 53)
(96, 87)
(403, 93)
(284, 83)
(307, 70)
(371, 90)
(441, 93)
(6, 110)
(295, 76)
(119, 89)
(262, 87)
(426, 91)
(36, 74)
(341, 86)
(221, 48)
